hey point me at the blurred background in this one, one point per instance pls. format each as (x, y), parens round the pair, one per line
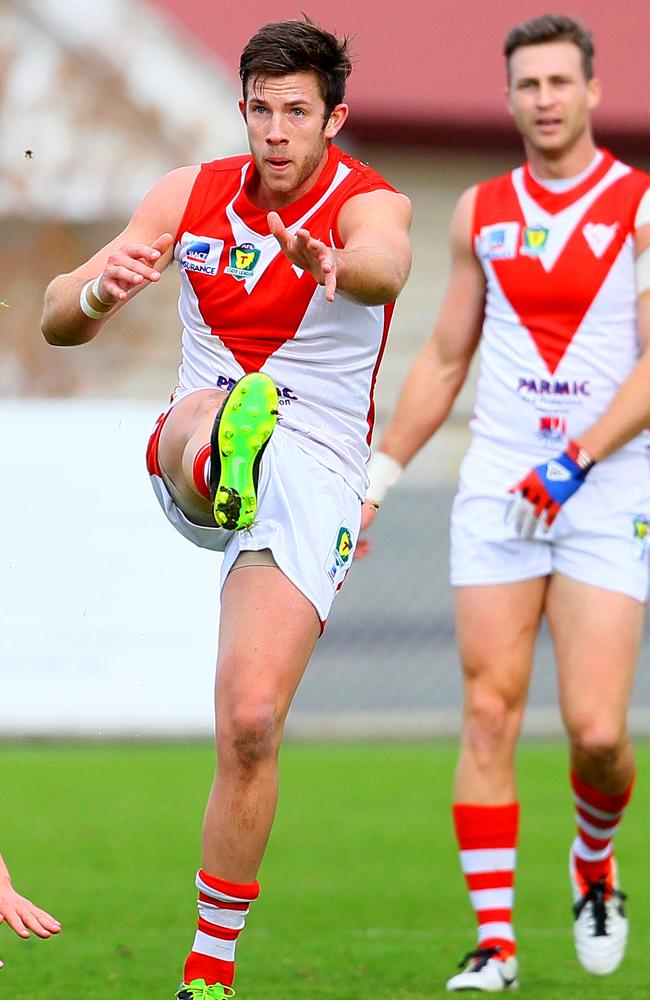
(108, 619)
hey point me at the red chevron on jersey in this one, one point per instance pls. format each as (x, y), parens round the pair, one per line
(245, 307)
(559, 248)
(254, 326)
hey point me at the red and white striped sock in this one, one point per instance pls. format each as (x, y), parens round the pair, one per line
(487, 839)
(201, 470)
(598, 817)
(223, 908)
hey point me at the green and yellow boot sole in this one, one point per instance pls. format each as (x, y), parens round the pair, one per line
(240, 434)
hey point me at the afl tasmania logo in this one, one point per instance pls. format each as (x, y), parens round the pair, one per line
(243, 259)
(200, 254)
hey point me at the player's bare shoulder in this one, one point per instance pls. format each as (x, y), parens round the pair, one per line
(381, 206)
(165, 202)
(462, 221)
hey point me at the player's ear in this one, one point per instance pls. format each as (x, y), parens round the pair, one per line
(336, 120)
(593, 93)
(242, 107)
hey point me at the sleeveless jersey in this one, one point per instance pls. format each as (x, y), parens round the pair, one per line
(244, 307)
(559, 334)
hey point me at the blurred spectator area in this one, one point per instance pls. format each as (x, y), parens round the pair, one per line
(98, 101)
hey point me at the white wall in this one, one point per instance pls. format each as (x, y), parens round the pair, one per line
(108, 618)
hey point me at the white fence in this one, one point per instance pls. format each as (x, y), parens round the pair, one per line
(108, 618)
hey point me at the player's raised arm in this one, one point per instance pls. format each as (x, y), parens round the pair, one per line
(438, 372)
(375, 261)
(78, 304)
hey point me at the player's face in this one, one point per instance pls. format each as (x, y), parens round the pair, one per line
(549, 97)
(288, 134)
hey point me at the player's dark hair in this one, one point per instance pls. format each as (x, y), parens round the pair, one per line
(552, 28)
(298, 46)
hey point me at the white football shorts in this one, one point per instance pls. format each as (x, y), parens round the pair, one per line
(600, 536)
(307, 516)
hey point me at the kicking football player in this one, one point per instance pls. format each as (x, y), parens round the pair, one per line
(21, 914)
(290, 260)
(551, 273)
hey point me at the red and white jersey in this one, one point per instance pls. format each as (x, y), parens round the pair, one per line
(559, 335)
(245, 307)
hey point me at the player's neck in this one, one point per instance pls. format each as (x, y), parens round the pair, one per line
(565, 163)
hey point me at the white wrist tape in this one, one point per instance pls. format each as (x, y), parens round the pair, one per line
(383, 472)
(95, 291)
(85, 304)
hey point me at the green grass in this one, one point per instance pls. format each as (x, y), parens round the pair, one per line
(361, 893)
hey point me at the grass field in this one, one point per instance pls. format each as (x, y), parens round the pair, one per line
(361, 893)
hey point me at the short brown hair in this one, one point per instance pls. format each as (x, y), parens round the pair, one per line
(552, 28)
(298, 46)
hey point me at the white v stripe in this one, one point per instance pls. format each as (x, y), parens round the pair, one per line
(562, 225)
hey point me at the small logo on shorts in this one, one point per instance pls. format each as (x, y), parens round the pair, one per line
(340, 555)
(533, 240)
(344, 545)
(641, 530)
(243, 259)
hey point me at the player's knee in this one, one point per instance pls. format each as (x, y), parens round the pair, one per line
(492, 720)
(251, 737)
(600, 742)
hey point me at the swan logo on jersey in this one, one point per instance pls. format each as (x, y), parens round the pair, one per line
(599, 236)
(533, 240)
(498, 242)
(200, 254)
(340, 555)
(242, 261)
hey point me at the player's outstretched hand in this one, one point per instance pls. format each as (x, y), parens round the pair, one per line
(21, 914)
(306, 252)
(131, 267)
(539, 495)
(368, 515)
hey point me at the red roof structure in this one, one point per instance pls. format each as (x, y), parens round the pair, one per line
(433, 72)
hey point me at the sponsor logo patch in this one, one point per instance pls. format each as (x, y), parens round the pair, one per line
(533, 240)
(243, 259)
(552, 428)
(557, 387)
(201, 254)
(498, 242)
(285, 394)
